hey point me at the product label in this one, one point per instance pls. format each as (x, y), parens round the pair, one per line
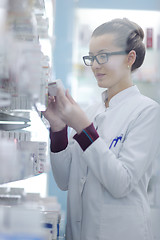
(149, 37)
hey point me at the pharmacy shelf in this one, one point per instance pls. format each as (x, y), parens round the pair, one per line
(25, 69)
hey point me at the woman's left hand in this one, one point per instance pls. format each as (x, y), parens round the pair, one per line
(70, 111)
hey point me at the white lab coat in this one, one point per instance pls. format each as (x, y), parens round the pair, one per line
(107, 183)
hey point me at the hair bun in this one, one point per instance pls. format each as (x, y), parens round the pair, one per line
(140, 32)
(135, 28)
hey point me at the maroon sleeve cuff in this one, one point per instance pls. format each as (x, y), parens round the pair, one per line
(86, 137)
(59, 140)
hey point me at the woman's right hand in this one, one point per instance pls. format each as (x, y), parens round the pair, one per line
(52, 115)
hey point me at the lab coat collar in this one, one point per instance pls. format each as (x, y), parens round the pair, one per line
(120, 96)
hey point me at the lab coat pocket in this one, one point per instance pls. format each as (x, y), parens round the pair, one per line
(115, 144)
(122, 223)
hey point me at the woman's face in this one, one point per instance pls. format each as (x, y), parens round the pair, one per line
(114, 74)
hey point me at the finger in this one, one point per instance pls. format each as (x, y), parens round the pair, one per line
(61, 98)
(69, 97)
(51, 99)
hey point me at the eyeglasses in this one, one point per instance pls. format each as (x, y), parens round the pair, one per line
(101, 58)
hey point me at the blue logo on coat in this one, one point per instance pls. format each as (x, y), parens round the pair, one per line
(115, 141)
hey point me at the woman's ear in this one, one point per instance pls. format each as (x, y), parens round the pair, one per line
(131, 58)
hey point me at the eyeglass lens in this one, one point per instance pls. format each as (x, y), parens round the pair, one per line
(100, 58)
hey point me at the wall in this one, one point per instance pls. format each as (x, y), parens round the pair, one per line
(123, 4)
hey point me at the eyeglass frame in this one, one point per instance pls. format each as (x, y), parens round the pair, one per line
(107, 57)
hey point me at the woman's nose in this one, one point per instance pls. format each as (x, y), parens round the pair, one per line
(95, 64)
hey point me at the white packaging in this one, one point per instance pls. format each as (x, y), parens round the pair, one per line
(9, 170)
(52, 212)
(5, 99)
(19, 5)
(52, 87)
(32, 197)
(17, 191)
(38, 155)
(25, 223)
(50, 218)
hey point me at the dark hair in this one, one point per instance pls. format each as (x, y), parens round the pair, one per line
(129, 36)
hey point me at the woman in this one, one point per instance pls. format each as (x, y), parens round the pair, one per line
(107, 163)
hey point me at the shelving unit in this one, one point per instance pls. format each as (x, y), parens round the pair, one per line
(24, 74)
